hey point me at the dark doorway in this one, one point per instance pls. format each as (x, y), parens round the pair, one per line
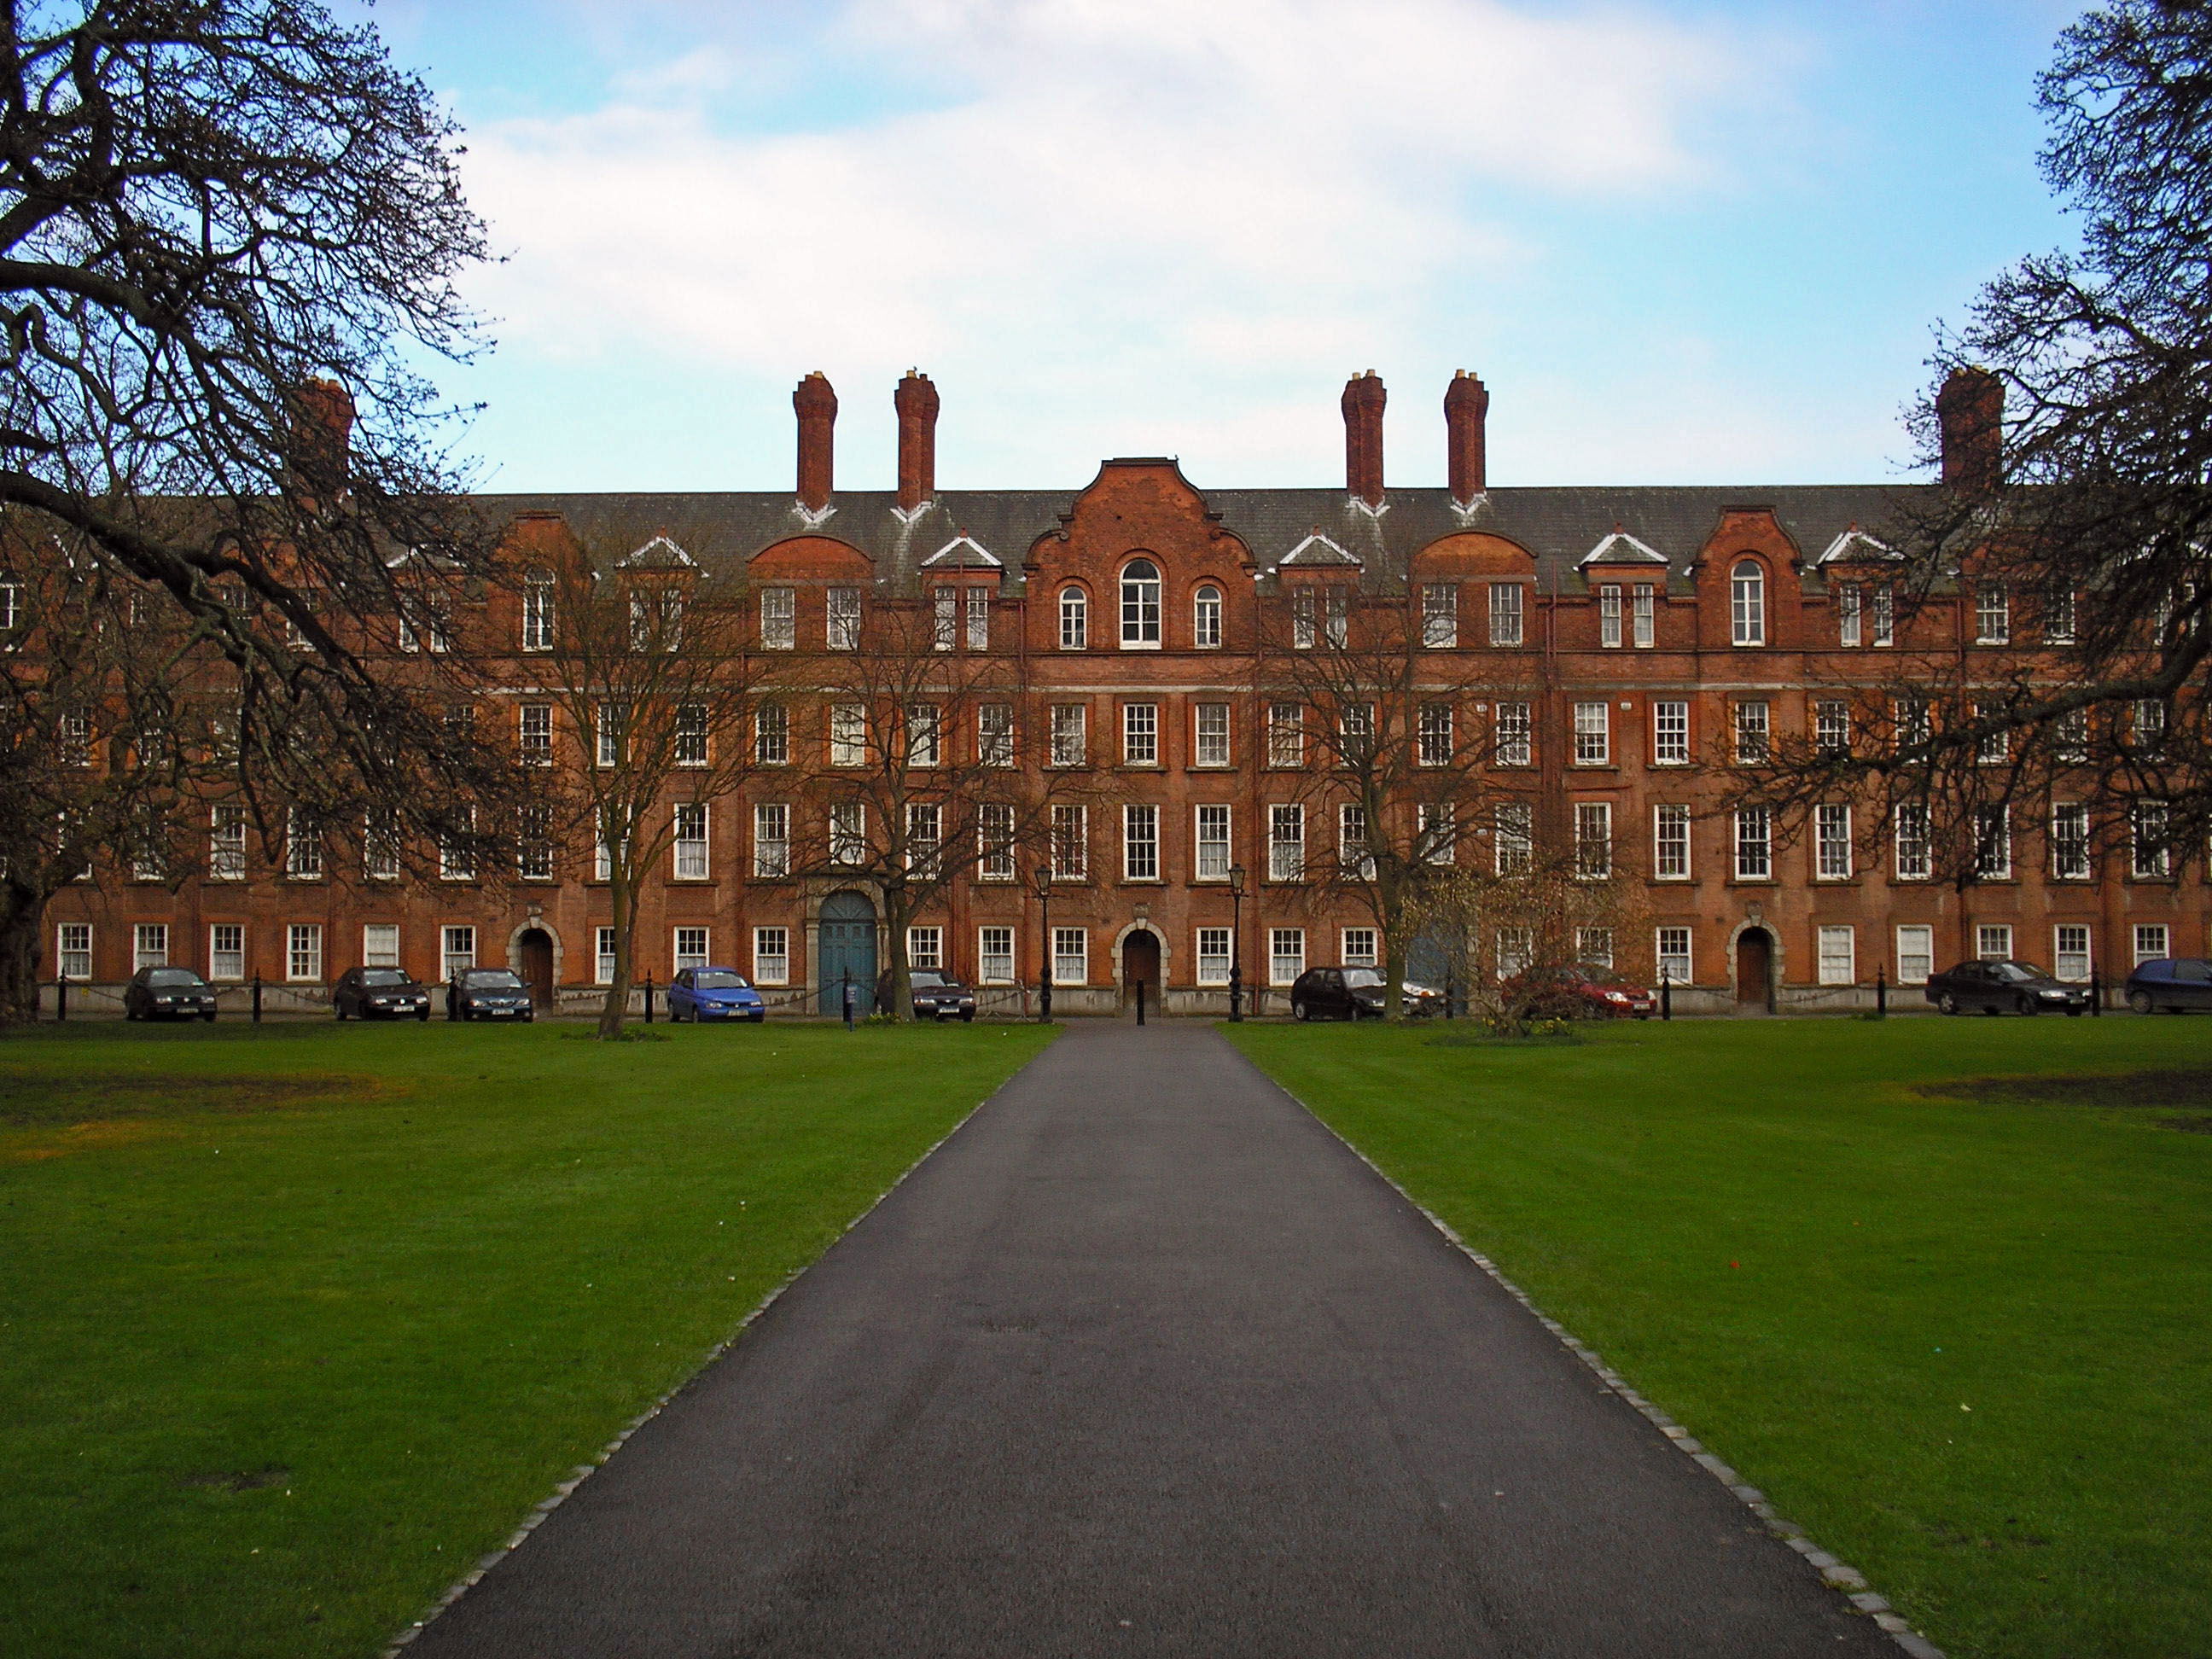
(1754, 966)
(849, 948)
(535, 949)
(1140, 964)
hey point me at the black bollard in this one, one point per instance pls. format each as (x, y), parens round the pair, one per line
(848, 1000)
(1881, 993)
(1141, 1002)
(256, 999)
(2096, 997)
(649, 998)
(1666, 995)
(61, 998)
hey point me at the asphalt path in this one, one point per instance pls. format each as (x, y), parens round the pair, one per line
(1142, 1361)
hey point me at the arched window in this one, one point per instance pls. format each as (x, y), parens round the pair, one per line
(1206, 617)
(1748, 602)
(1140, 605)
(1074, 620)
(537, 610)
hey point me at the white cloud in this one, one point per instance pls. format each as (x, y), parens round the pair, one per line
(1107, 210)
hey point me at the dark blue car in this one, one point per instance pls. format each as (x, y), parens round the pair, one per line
(2171, 984)
(713, 993)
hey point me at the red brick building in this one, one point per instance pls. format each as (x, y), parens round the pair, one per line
(1618, 643)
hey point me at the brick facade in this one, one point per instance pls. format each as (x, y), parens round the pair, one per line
(1621, 613)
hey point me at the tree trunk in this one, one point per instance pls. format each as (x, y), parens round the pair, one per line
(21, 910)
(897, 914)
(624, 919)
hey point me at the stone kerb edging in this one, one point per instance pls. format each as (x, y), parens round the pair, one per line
(1846, 1580)
(583, 1472)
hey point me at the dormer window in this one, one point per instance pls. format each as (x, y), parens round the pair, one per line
(1140, 605)
(1205, 618)
(537, 610)
(1748, 603)
(1074, 620)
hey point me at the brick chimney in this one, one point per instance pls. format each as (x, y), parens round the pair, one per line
(817, 405)
(1970, 413)
(1362, 437)
(1466, 408)
(916, 403)
(322, 433)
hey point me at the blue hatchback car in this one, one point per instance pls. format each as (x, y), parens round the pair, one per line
(698, 993)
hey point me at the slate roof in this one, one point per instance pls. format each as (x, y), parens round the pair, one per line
(1560, 526)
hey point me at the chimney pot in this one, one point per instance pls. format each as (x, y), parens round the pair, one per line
(1362, 401)
(916, 400)
(1466, 417)
(1970, 417)
(816, 404)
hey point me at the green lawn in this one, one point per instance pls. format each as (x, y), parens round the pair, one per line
(1966, 1342)
(296, 1322)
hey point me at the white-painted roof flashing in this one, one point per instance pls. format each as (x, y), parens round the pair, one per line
(1318, 549)
(965, 550)
(1621, 547)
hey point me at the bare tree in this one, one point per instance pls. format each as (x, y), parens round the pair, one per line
(2072, 420)
(1513, 930)
(921, 769)
(1349, 689)
(230, 229)
(644, 658)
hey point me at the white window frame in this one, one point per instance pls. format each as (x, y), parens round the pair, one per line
(1286, 735)
(847, 823)
(977, 607)
(1206, 617)
(2069, 841)
(1286, 841)
(994, 734)
(1213, 832)
(690, 946)
(303, 953)
(73, 950)
(848, 734)
(1992, 614)
(771, 840)
(533, 733)
(1912, 851)
(1070, 843)
(2150, 855)
(150, 945)
(1850, 615)
(1513, 837)
(1993, 941)
(1071, 956)
(537, 610)
(994, 956)
(1210, 734)
(1354, 861)
(303, 845)
(1916, 953)
(841, 619)
(227, 939)
(1670, 843)
(2153, 940)
(1594, 946)
(227, 842)
(1594, 733)
(1140, 597)
(1074, 619)
(925, 947)
(1643, 617)
(2072, 946)
(771, 956)
(1670, 734)
(1140, 842)
(772, 734)
(1360, 947)
(1216, 952)
(457, 948)
(692, 744)
(1508, 615)
(1440, 615)
(1837, 952)
(1070, 734)
(779, 618)
(1287, 955)
(1515, 735)
(1608, 616)
(1593, 839)
(1833, 841)
(994, 842)
(1754, 843)
(691, 856)
(602, 956)
(1141, 734)
(379, 945)
(1993, 843)
(1753, 727)
(1748, 603)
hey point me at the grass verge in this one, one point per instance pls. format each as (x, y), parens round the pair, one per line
(1957, 1328)
(297, 1321)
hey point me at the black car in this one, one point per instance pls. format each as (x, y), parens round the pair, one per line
(378, 994)
(1354, 993)
(167, 993)
(2005, 987)
(487, 994)
(2174, 984)
(938, 996)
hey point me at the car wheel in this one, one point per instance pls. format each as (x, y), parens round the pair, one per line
(2073, 1013)
(1298, 1011)
(2026, 1005)
(1948, 1003)
(421, 1017)
(338, 1010)
(2139, 1001)
(209, 1017)
(756, 1019)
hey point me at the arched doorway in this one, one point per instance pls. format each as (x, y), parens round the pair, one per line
(847, 941)
(1754, 966)
(534, 962)
(1141, 965)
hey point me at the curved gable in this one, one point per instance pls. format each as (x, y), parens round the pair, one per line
(815, 558)
(1472, 553)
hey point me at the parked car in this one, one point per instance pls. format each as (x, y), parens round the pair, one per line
(697, 993)
(167, 993)
(1582, 993)
(2174, 985)
(487, 994)
(379, 993)
(1997, 987)
(938, 996)
(1356, 994)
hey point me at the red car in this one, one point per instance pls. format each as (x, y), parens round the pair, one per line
(1572, 993)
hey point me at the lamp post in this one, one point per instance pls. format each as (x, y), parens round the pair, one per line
(1235, 944)
(1044, 961)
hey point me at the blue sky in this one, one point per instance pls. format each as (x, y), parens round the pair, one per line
(1682, 242)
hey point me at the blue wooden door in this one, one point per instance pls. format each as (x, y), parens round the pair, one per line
(848, 946)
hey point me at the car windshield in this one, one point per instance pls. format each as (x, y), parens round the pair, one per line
(491, 979)
(718, 979)
(2017, 973)
(1361, 979)
(172, 977)
(928, 979)
(384, 977)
